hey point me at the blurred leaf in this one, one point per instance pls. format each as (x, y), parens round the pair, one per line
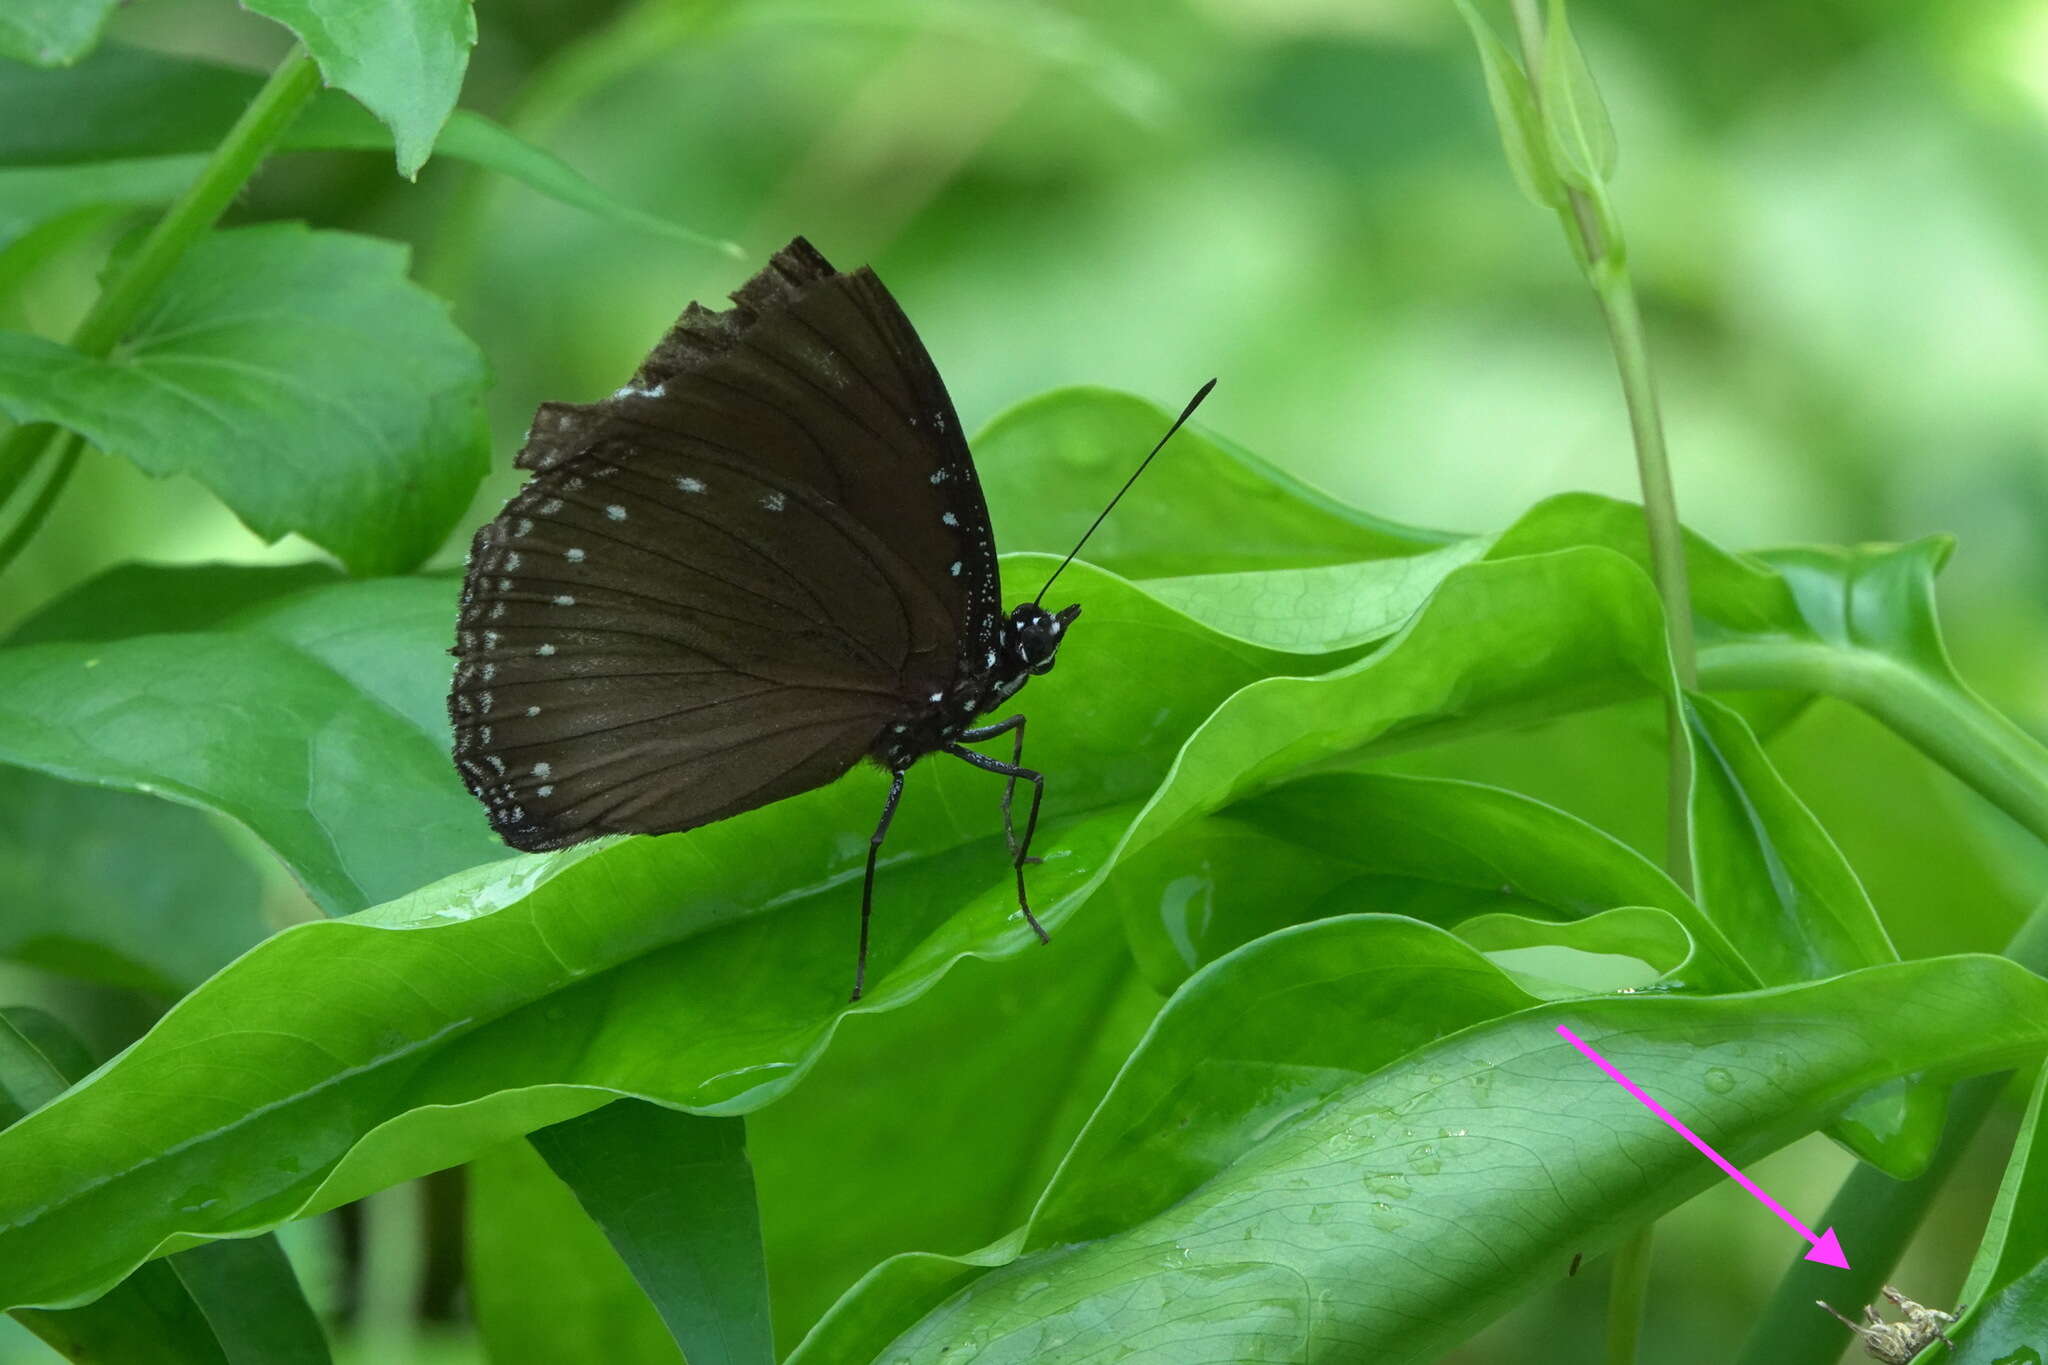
(138, 125)
(52, 32)
(545, 1285)
(675, 1194)
(298, 375)
(163, 599)
(120, 889)
(1522, 134)
(1051, 463)
(2007, 1291)
(1580, 131)
(334, 693)
(232, 1303)
(1766, 870)
(404, 59)
(1343, 1187)
(517, 995)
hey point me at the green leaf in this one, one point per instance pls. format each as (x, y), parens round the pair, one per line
(1345, 843)
(340, 694)
(120, 889)
(1765, 869)
(232, 1303)
(52, 32)
(1625, 949)
(2007, 1291)
(138, 124)
(404, 59)
(1051, 463)
(164, 599)
(1027, 1048)
(544, 1283)
(1581, 133)
(298, 375)
(1515, 116)
(524, 993)
(1326, 608)
(1322, 1185)
(675, 1194)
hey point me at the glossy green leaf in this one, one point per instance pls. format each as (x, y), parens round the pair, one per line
(544, 1283)
(1515, 116)
(1575, 116)
(1026, 1048)
(404, 59)
(231, 1303)
(2007, 1292)
(1765, 869)
(675, 1194)
(1355, 842)
(298, 375)
(496, 1002)
(1051, 463)
(52, 32)
(1329, 607)
(138, 124)
(351, 678)
(1345, 1192)
(1626, 949)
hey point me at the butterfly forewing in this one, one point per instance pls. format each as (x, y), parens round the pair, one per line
(727, 579)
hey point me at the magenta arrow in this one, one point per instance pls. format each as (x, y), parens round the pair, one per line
(1826, 1249)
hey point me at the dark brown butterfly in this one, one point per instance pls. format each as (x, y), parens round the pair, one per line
(760, 561)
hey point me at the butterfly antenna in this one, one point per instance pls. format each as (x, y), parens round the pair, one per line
(1185, 413)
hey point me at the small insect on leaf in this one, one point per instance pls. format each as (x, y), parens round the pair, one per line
(1896, 1343)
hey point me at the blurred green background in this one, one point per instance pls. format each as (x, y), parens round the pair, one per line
(1837, 214)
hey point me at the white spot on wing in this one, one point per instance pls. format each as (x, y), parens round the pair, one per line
(544, 791)
(532, 711)
(949, 519)
(565, 600)
(543, 770)
(938, 476)
(615, 512)
(574, 556)
(774, 502)
(545, 650)
(955, 570)
(690, 485)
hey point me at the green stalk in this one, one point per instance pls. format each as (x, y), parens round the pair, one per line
(136, 281)
(1597, 244)
(1948, 723)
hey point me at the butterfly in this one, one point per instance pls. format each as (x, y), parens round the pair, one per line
(763, 559)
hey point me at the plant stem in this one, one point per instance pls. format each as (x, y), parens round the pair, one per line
(1945, 721)
(1628, 1292)
(63, 458)
(137, 279)
(1597, 244)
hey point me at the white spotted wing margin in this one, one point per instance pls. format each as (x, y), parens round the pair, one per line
(728, 579)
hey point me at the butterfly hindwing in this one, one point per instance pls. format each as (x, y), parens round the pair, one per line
(727, 579)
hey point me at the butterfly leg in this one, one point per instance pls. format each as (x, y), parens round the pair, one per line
(1023, 853)
(867, 886)
(980, 732)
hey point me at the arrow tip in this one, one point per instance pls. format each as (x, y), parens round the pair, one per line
(1828, 1251)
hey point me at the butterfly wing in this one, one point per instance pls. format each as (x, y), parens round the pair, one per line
(727, 579)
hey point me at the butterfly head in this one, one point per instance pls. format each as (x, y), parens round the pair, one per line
(1032, 636)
